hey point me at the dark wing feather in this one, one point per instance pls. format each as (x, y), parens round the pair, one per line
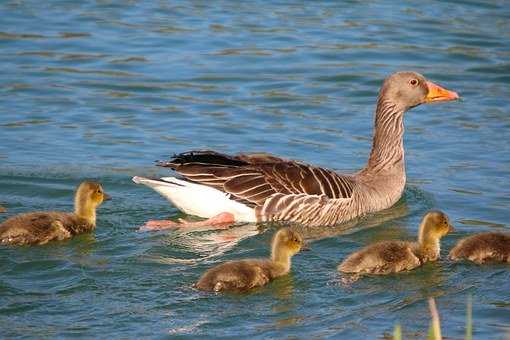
(253, 178)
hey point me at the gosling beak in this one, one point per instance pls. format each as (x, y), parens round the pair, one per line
(106, 197)
(305, 247)
(451, 229)
(439, 94)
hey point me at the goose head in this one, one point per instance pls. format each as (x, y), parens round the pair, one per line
(88, 197)
(409, 89)
(435, 225)
(286, 243)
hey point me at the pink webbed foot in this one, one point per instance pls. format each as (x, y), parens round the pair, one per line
(220, 221)
(223, 220)
(159, 225)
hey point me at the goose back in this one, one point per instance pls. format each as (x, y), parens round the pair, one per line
(381, 258)
(480, 248)
(41, 227)
(238, 275)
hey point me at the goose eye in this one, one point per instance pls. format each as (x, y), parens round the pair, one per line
(413, 82)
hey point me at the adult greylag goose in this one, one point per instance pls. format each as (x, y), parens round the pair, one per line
(262, 187)
(43, 226)
(387, 257)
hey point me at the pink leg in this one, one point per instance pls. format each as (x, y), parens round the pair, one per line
(158, 225)
(220, 221)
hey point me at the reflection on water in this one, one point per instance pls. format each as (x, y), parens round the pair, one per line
(209, 245)
(480, 223)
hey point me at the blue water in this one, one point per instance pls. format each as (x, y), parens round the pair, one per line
(101, 89)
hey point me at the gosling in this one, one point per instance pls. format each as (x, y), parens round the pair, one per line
(483, 248)
(41, 227)
(244, 275)
(395, 256)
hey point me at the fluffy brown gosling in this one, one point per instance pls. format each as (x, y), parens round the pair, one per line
(483, 248)
(246, 274)
(394, 256)
(43, 226)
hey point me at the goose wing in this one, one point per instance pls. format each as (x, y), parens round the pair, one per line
(253, 178)
(34, 228)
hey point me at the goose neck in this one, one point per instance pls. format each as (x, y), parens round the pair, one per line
(387, 144)
(282, 258)
(85, 210)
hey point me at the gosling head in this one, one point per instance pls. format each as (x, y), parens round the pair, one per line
(89, 196)
(287, 241)
(435, 225)
(409, 89)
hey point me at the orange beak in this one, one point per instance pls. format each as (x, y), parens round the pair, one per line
(439, 94)
(451, 229)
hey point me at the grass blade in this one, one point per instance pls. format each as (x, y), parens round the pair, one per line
(469, 319)
(436, 324)
(397, 333)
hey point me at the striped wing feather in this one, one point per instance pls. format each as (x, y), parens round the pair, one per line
(253, 178)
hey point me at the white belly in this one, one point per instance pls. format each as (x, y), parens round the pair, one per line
(197, 199)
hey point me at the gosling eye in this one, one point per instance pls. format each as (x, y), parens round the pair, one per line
(413, 82)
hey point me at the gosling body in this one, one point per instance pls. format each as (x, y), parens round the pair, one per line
(395, 256)
(250, 273)
(483, 248)
(41, 227)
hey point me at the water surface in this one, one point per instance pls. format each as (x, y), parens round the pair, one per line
(100, 89)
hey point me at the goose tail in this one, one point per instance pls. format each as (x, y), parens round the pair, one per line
(197, 199)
